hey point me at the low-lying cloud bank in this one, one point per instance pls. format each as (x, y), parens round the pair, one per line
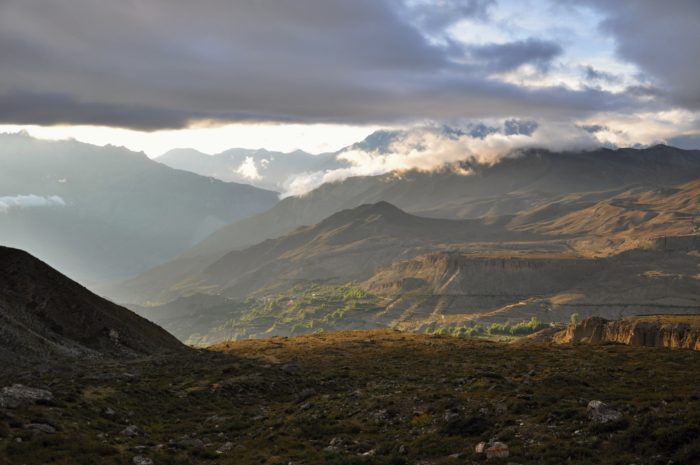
(433, 148)
(439, 147)
(16, 202)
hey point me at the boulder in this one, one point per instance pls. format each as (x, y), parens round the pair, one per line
(141, 460)
(600, 412)
(17, 394)
(41, 427)
(497, 450)
(226, 447)
(492, 449)
(130, 431)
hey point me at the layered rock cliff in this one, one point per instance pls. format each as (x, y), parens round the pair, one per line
(681, 332)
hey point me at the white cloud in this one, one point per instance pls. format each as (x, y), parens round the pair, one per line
(428, 149)
(8, 203)
(644, 128)
(248, 169)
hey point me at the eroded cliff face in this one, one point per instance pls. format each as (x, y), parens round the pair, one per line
(458, 288)
(455, 273)
(673, 332)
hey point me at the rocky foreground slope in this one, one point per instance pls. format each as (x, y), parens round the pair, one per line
(44, 314)
(363, 398)
(652, 331)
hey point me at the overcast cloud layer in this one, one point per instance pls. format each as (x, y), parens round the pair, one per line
(153, 64)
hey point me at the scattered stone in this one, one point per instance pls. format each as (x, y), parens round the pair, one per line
(190, 443)
(291, 368)
(109, 412)
(306, 394)
(226, 447)
(497, 450)
(305, 406)
(41, 427)
(334, 445)
(215, 419)
(451, 416)
(114, 336)
(492, 449)
(141, 460)
(600, 412)
(130, 431)
(17, 394)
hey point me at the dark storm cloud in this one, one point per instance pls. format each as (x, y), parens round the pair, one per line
(592, 74)
(151, 64)
(593, 128)
(435, 15)
(662, 38)
(512, 55)
(48, 109)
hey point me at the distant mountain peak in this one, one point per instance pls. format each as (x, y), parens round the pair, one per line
(381, 209)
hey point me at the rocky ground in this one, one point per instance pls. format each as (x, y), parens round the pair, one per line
(364, 397)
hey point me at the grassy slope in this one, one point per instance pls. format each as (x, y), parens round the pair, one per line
(282, 400)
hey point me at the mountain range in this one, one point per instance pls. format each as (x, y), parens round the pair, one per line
(630, 249)
(257, 167)
(530, 196)
(99, 213)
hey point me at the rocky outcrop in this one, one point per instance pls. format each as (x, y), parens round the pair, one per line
(642, 332)
(685, 243)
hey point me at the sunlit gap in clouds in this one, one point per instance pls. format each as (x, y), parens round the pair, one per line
(312, 138)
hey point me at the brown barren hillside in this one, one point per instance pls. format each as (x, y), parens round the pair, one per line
(43, 313)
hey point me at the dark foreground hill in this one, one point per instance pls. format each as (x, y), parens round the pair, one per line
(366, 398)
(44, 314)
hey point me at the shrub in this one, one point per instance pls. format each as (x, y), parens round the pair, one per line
(573, 319)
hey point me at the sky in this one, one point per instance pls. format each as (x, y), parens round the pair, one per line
(318, 75)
